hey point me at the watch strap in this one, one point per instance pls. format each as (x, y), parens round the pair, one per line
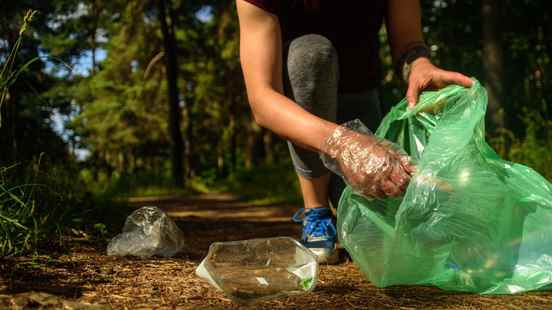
(414, 51)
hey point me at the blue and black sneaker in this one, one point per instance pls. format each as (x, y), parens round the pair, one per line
(319, 233)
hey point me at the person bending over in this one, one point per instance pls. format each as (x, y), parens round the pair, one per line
(308, 65)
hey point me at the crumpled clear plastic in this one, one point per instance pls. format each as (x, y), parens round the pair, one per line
(373, 167)
(258, 269)
(148, 231)
(469, 221)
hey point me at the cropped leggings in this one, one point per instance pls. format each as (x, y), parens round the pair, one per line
(311, 75)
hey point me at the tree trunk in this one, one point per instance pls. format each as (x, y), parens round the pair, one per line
(493, 62)
(189, 155)
(233, 118)
(189, 158)
(269, 153)
(254, 152)
(171, 64)
(259, 154)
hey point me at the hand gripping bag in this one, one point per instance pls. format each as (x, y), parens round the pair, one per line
(468, 221)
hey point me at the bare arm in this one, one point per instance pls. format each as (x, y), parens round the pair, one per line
(383, 171)
(404, 25)
(261, 61)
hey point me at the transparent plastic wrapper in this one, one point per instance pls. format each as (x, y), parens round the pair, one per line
(468, 221)
(251, 270)
(373, 167)
(148, 231)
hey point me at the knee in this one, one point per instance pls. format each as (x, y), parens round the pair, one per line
(311, 55)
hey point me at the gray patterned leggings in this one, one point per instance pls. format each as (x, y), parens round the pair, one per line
(311, 74)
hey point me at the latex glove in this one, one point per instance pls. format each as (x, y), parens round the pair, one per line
(424, 75)
(371, 166)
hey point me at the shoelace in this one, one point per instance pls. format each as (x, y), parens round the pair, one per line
(318, 222)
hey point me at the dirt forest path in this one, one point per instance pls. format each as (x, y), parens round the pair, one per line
(85, 278)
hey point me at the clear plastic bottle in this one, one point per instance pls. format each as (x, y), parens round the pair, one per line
(257, 269)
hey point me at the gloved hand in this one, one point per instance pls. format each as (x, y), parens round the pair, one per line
(371, 166)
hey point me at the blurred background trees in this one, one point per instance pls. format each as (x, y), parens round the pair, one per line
(155, 96)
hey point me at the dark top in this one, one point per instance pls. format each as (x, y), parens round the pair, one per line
(352, 28)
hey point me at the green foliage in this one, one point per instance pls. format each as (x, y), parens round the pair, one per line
(36, 195)
(265, 184)
(533, 148)
(25, 131)
(122, 118)
(37, 202)
(137, 184)
(18, 226)
(7, 74)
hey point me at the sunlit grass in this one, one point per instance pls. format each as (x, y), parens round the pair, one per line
(21, 226)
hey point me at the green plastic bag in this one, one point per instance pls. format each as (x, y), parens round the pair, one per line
(469, 221)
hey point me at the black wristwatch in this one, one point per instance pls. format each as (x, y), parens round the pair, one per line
(413, 53)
